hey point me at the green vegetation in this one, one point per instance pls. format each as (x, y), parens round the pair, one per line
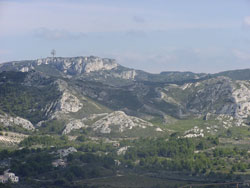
(52, 127)
(45, 141)
(25, 101)
(142, 157)
(196, 159)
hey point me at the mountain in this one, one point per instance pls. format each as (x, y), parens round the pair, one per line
(90, 122)
(243, 74)
(95, 69)
(80, 86)
(37, 100)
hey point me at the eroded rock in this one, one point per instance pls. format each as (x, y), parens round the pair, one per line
(7, 121)
(120, 122)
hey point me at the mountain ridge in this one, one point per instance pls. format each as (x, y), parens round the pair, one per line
(99, 64)
(93, 85)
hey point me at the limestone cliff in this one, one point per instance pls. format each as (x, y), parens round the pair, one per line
(8, 120)
(119, 121)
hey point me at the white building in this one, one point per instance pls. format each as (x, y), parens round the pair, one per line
(59, 162)
(8, 176)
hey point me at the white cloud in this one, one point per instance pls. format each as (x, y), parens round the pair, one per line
(138, 19)
(4, 52)
(247, 21)
(241, 54)
(56, 34)
(136, 34)
(19, 18)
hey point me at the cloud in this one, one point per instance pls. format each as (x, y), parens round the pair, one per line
(4, 52)
(247, 21)
(139, 19)
(241, 54)
(135, 34)
(56, 34)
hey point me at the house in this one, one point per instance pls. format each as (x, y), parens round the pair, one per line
(59, 162)
(116, 144)
(246, 183)
(8, 176)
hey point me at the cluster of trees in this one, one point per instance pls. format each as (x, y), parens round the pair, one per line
(37, 163)
(45, 141)
(25, 101)
(95, 147)
(172, 148)
(185, 155)
(229, 152)
(32, 165)
(240, 167)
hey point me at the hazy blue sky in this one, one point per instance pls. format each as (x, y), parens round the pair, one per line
(153, 35)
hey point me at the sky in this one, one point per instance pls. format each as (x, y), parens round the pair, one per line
(152, 35)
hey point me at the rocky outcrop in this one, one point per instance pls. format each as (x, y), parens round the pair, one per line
(122, 150)
(73, 125)
(25, 69)
(216, 96)
(78, 65)
(8, 121)
(241, 95)
(213, 95)
(127, 75)
(66, 152)
(118, 121)
(69, 103)
(194, 132)
(97, 64)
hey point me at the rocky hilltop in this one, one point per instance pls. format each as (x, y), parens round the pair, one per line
(71, 66)
(220, 95)
(95, 68)
(120, 121)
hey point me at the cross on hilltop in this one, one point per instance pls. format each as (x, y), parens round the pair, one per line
(53, 53)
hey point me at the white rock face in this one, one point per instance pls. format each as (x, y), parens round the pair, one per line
(69, 103)
(24, 69)
(73, 125)
(66, 152)
(215, 96)
(194, 132)
(7, 121)
(128, 75)
(186, 86)
(98, 64)
(165, 97)
(118, 120)
(122, 150)
(241, 95)
(78, 65)
(159, 129)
